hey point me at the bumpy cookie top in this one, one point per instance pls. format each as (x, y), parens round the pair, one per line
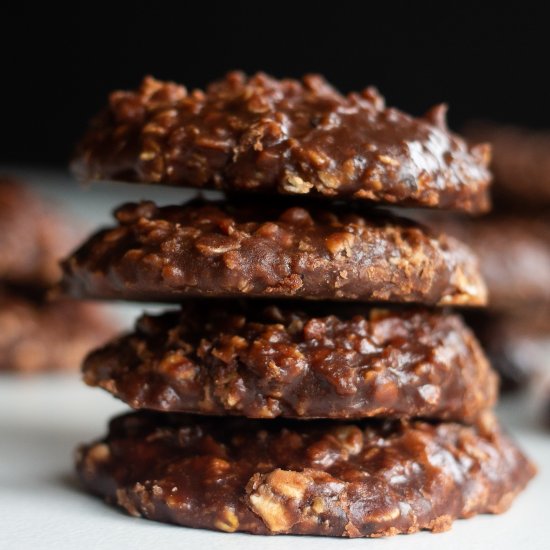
(285, 136)
(327, 478)
(249, 249)
(252, 359)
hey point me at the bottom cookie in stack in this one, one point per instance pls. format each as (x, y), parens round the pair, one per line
(376, 476)
(369, 478)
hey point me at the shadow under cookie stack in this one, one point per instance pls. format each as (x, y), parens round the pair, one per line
(312, 380)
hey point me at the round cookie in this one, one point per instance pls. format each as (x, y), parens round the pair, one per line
(37, 335)
(284, 136)
(367, 479)
(246, 249)
(263, 361)
(31, 237)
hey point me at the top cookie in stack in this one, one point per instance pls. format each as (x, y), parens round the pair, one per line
(303, 358)
(36, 334)
(288, 137)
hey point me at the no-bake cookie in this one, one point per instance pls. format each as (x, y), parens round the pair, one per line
(285, 136)
(265, 361)
(311, 378)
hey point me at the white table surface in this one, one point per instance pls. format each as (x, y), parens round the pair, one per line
(42, 419)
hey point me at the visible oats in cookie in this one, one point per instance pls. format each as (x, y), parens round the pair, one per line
(365, 479)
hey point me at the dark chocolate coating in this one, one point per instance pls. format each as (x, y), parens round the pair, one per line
(311, 478)
(284, 136)
(264, 361)
(240, 249)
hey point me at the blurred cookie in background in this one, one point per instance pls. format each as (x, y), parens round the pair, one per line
(513, 246)
(518, 344)
(520, 163)
(514, 256)
(514, 249)
(32, 236)
(37, 334)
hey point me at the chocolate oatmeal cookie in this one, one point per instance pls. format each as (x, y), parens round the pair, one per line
(262, 361)
(366, 479)
(238, 249)
(284, 136)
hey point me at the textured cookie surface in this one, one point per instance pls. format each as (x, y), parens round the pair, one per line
(517, 342)
(262, 361)
(37, 335)
(236, 249)
(315, 478)
(288, 136)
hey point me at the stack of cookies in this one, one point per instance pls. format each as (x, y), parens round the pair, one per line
(311, 380)
(37, 335)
